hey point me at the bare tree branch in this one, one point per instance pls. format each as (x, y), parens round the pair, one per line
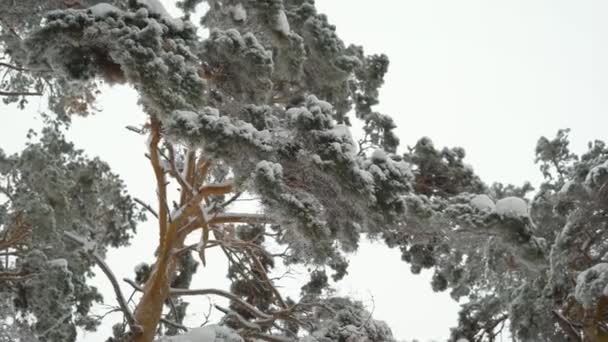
(174, 324)
(18, 236)
(146, 206)
(203, 292)
(20, 68)
(5, 276)
(567, 326)
(19, 93)
(239, 218)
(159, 173)
(10, 66)
(272, 338)
(264, 274)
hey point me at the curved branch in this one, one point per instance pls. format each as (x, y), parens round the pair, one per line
(146, 206)
(109, 274)
(203, 292)
(225, 294)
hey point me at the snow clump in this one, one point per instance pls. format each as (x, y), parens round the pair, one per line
(512, 207)
(483, 203)
(591, 285)
(238, 12)
(209, 333)
(104, 9)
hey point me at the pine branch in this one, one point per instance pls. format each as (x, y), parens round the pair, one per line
(110, 275)
(174, 324)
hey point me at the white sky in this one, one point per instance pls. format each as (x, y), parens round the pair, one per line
(490, 76)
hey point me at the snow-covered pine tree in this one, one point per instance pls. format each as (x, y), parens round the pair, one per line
(263, 106)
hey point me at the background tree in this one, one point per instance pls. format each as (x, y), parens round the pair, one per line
(263, 107)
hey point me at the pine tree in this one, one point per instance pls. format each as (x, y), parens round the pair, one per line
(263, 106)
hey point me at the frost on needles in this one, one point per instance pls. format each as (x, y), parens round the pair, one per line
(262, 108)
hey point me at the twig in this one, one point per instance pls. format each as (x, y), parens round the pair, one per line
(56, 324)
(232, 199)
(567, 326)
(211, 243)
(242, 321)
(146, 206)
(208, 314)
(239, 218)
(264, 274)
(174, 324)
(135, 129)
(19, 93)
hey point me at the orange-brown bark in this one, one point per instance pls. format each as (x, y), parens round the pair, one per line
(174, 230)
(156, 290)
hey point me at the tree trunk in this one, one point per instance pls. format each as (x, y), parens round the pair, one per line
(150, 307)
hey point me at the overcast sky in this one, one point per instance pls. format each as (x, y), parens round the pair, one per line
(490, 76)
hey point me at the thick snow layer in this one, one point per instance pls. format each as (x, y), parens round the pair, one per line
(238, 12)
(591, 285)
(483, 203)
(379, 156)
(342, 131)
(597, 176)
(61, 263)
(103, 9)
(156, 7)
(568, 186)
(190, 118)
(282, 24)
(209, 333)
(271, 171)
(513, 207)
